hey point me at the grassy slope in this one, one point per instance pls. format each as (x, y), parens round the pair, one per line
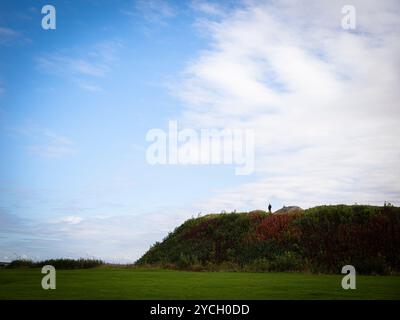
(120, 283)
(322, 239)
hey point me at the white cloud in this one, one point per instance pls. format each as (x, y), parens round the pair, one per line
(44, 142)
(154, 11)
(52, 145)
(51, 151)
(7, 32)
(10, 37)
(63, 65)
(323, 101)
(7, 35)
(84, 67)
(207, 7)
(72, 219)
(89, 86)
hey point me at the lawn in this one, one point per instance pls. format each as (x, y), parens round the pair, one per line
(125, 283)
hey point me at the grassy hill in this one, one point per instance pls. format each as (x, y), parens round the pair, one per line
(321, 239)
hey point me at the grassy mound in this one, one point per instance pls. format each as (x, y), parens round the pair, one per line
(321, 239)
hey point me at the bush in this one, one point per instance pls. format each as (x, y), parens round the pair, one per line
(372, 265)
(258, 265)
(57, 263)
(288, 261)
(21, 263)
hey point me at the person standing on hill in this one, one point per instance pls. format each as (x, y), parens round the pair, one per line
(269, 208)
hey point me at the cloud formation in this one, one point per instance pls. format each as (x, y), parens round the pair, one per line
(322, 100)
(10, 36)
(85, 67)
(51, 145)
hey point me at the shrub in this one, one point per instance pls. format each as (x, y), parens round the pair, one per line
(288, 261)
(58, 263)
(258, 265)
(21, 263)
(371, 265)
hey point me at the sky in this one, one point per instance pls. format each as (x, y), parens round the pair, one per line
(77, 102)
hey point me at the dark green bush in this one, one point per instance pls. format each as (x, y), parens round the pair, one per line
(57, 263)
(288, 261)
(21, 263)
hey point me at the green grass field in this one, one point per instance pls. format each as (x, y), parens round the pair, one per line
(125, 283)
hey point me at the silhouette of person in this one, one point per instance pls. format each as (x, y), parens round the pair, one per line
(269, 208)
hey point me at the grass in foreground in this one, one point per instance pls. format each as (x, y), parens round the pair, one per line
(124, 283)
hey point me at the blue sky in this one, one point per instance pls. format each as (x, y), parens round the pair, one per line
(76, 104)
(103, 111)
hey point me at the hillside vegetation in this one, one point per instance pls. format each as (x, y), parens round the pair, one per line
(321, 239)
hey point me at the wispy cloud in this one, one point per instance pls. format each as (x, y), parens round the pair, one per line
(7, 32)
(52, 146)
(72, 219)
(65, 66)
(83, 68)
(51, 151)
(322, 100)
(153, 11)
(7, 35)
(208, 7)
(43, 142)
(87, 86)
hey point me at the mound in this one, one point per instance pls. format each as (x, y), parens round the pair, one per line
(290, 209)
(321, 239)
